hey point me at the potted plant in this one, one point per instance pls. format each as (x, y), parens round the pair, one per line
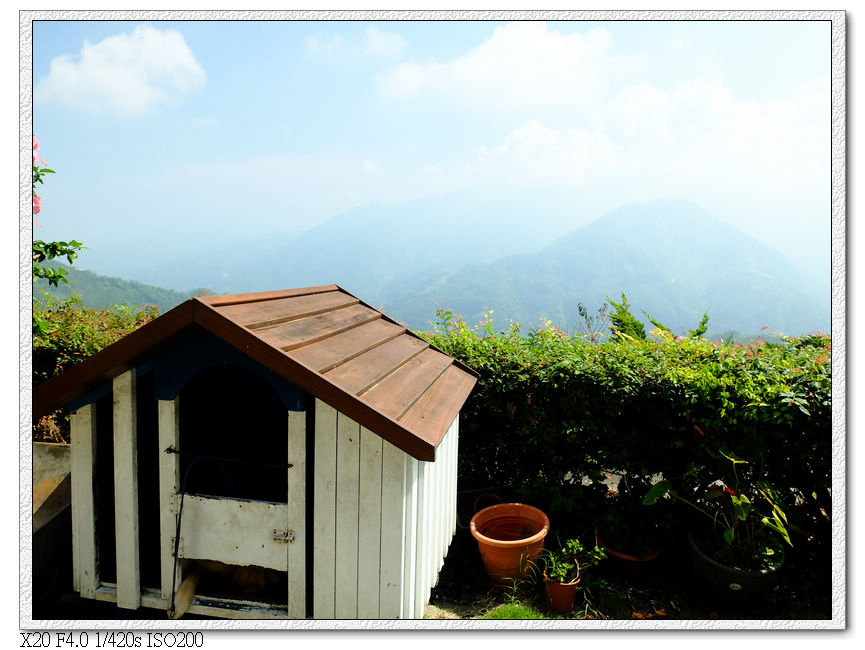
(735, 545)
(562, 572)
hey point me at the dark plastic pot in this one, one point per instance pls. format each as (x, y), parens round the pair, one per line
(740, 584)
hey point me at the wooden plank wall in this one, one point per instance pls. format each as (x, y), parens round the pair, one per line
(435, 518)
(126, 491)
(382, 521)
(85, 578)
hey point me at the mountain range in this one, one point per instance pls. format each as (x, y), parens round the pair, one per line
(673, 259)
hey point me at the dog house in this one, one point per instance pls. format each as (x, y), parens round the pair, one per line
(299, 446)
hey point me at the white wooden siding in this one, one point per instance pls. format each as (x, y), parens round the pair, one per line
(347, 524)
(126, 491)
(369, 524)
(233, 531)
(169, 484)
(392, 581)
(382, 521)
(324, 509)
(296, 550)
(85, 578)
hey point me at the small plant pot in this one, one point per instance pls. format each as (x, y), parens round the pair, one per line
(733, 584)
(510, 538)
(560, 595)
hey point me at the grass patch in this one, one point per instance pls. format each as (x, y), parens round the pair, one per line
(512, 611)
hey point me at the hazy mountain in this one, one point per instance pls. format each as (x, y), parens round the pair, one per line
(195, 261)
(527, 256)
(380, 251)
(100, 291)
(671, 258)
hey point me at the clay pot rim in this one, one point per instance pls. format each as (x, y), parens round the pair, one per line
(564, 584)
(499, 543)
(624, 556)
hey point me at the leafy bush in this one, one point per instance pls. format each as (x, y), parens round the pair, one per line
(64, 334)
(73, 332)
(552, 410)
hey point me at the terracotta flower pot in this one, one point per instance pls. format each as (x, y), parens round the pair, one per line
(560, 595)
(510, 537)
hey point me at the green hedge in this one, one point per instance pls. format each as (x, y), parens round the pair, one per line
(550, 409)
(65, 332)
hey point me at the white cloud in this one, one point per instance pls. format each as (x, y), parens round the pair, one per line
(523, 64)
(536, 154)
(699, 128)
(317, 45)
(373, 43)
(130, 74)
(370, 167)
(378, 43)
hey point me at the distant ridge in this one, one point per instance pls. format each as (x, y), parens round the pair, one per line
(100, 291)
(672, 259)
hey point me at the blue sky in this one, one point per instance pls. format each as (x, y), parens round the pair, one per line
(218, 130)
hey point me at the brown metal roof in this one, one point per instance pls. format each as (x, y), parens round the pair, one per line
(324, 340)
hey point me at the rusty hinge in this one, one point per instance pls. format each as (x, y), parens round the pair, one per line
(283, 536)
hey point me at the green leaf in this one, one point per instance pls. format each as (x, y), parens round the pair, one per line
(658, 490)
(741, 506)
(729, 455)
(729, 534)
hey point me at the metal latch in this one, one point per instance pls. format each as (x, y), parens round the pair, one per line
(283, 536)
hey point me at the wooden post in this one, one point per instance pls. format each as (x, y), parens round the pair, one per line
(410, 511)
(169, 484)
(324, 511)
(391, 583)
(126, 491)
(369, 526)
(347, 467)
(85, 578)
(296, 550)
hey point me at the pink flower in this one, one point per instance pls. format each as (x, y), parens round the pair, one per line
(36, 156)
(37, 204)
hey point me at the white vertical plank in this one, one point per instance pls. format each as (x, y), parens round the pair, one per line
(430, 542)
(392, 521)
(410, 545)
(422, 531)
(454, 472)
(126, 491)
(431, 545)
(442, 508)
(442, 497)
(296, 550)
(369, 525)
(169, 483)
(83, 462)
(347, 489)
(324, 513)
